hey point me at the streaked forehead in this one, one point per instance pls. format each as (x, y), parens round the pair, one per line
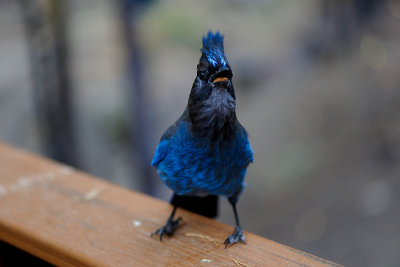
(213, 49)
(215, 57)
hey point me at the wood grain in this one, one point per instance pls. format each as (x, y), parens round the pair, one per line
(69, 218)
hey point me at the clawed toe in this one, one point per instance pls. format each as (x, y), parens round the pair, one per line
(235, 237)
(168, 229)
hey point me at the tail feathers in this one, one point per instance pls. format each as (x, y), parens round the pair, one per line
(206, 206)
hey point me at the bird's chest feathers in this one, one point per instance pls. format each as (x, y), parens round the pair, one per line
(219, 156)
(196, 165)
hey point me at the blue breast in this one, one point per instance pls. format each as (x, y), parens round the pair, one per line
(194, 166)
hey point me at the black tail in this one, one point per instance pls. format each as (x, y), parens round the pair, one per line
(206, 206)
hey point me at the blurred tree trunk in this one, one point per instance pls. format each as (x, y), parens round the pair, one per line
(140, 110)
(45, 28)
(340, 24)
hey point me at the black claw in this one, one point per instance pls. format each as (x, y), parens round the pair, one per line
(168, 229)
(235, 237)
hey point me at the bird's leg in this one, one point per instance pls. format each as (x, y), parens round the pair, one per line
(238, 233)
(170, 227)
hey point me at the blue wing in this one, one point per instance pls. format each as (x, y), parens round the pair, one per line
(161, 152)
(248, 151)
(162, 148)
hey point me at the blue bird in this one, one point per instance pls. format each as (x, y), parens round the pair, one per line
(205, 153)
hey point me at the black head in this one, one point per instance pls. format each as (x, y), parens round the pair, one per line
(212, 98)
(213, 67)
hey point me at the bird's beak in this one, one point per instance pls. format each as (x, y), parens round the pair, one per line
(221, 82)
(220, 79)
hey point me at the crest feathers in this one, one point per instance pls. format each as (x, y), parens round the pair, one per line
(213, 49)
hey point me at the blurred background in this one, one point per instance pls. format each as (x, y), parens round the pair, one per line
(94, 84)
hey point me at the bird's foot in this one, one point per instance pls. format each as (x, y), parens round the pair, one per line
(235, 237)
(168, 229)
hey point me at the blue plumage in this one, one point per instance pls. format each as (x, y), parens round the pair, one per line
(206, 151)
(213, 49)
(194, 166)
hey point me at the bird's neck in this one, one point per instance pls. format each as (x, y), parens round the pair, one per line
(214, 119)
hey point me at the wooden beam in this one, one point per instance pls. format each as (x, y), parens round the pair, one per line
(69, 218)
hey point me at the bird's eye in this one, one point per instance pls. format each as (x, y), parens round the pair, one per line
(202, 74)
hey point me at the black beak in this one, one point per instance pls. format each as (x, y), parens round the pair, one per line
(222, 77)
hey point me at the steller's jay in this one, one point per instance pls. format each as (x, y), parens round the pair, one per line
(205, 153)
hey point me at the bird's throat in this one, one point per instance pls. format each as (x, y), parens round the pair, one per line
(215, 117)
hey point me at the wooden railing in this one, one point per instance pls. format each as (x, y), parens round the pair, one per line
(67, 217)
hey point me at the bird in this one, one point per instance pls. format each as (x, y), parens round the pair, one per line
(206, 152)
